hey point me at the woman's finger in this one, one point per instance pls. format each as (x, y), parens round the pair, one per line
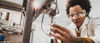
(62, 33)
(55, 40)
(57, 36)
(60, 27)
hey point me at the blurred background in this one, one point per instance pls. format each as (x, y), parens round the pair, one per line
(11, 15)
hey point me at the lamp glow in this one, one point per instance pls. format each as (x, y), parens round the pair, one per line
(35, 5)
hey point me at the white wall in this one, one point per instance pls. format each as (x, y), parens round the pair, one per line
(14, 17)
(39, 36)
(95, 11)
(16, 1)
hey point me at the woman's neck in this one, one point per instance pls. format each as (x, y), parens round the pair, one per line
(78, 27)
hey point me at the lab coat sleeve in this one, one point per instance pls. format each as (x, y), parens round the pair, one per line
(87, 40)
(95, 24)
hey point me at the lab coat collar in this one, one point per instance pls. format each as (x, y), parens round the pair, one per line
(84, 23)
(83, 26)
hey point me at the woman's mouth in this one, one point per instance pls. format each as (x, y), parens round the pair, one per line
(76, 22)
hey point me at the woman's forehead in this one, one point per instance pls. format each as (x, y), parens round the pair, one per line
(75, 8)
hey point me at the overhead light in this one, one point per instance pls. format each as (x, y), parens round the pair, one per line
(35, 5)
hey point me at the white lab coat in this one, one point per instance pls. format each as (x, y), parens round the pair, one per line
(89, 28)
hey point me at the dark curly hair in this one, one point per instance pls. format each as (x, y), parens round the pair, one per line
(85, 4)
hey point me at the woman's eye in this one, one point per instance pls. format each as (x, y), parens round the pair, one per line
(72, 15)
(80, 12)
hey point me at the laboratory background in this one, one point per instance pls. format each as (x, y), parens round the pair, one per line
(13, 19)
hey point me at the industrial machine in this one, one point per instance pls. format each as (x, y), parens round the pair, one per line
(33, 10)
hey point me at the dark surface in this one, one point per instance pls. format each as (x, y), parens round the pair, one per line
(52, 41)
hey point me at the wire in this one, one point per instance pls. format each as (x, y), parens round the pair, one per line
(42, 25)
(24, 14)
(51, 19)
(23, 11)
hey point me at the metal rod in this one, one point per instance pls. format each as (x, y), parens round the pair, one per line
(28, 23)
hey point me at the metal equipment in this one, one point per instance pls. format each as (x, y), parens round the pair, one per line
(32, 13)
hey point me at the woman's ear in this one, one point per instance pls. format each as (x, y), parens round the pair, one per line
(86, 13)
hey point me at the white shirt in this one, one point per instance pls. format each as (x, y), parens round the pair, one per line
(89, 28)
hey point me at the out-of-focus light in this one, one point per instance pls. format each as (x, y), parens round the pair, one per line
(35, 5)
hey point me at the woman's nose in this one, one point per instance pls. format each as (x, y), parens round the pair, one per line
(75, 17)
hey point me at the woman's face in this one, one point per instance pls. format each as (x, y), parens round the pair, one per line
(76, 20)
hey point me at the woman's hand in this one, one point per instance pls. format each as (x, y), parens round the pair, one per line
(63, 34)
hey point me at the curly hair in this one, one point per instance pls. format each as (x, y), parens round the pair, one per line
(84, 4)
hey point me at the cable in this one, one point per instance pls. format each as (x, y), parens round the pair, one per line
(42, 25)
(23, 11)
(23, 17)
(51, 19)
